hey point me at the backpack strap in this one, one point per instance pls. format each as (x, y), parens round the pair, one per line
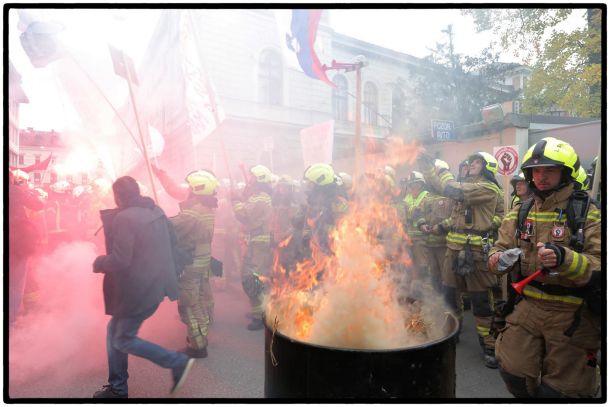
(524, 209)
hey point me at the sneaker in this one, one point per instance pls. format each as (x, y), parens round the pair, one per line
(255, 325)
(108, 392)
(490, 361)
(195, 353)
(179, 375)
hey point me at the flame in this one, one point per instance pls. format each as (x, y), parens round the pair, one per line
(360, 292)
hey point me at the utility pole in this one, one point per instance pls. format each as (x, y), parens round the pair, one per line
(360, 62)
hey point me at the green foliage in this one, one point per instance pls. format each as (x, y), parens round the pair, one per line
(566, 70)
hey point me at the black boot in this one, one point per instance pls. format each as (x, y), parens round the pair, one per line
(108, 392)
(515, 385)
(256, 325)
(195, 353)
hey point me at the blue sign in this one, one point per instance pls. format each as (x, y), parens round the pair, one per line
(443, 130)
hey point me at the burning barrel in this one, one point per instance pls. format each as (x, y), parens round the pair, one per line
(295, 369)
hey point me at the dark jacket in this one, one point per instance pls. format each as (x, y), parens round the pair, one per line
(139, 269)
(23, 236)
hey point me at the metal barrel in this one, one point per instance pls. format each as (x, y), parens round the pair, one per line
(299, 370)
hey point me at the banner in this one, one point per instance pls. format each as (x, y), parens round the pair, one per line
(317, 143)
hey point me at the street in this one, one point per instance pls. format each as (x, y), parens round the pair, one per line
(234, 368)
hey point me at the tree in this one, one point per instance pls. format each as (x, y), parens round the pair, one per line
(566, 66)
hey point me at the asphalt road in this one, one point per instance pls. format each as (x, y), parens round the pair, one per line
(234, 368)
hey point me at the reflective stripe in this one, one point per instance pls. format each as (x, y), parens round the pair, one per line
(530, 291)
(445, 178)
(490, 186)
(259, 198)
(482, 330)
(496, 220)
(203, 261)
(260, 238)
(594, 215)
(546, 217)
(577, 267)
(461, 238)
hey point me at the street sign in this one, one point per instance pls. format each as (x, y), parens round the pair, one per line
(508, 159)
(443, 130)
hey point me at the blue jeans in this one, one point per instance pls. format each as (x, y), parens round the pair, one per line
(121, 340)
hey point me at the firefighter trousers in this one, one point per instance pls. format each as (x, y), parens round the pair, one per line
(195, 303)
(478, 284)
(533, 345)
(436, 257)
(257, 261)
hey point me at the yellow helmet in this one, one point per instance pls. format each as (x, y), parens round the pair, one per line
(202, 182)
(582, 180)
(320, 174)
(20, 175)
(489, 161)
(551, 152)
(262, 174)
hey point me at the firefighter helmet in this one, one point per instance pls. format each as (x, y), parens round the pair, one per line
(346, 180)
(262, 174)
(489, 161)
(389, 170)
(582, 179)
(440, 164)
(551, 152)
(60, 187)
(516, 178)
(202, 182)
(20, 176)
(415, 176)
(320, 174)
(42, 193)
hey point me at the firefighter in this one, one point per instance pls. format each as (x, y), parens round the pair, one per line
(521, 190)
(315, 220)
(194, 227)
(284, 210)
(253, 210)
(414, 202)
(582, 180)
(437, 216)
(465, 264)
(549, 345)
(346, 183)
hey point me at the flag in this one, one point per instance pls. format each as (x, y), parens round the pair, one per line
(123, 65)
(317, 143)
(39, 166)
(39, 41)
(301, 40)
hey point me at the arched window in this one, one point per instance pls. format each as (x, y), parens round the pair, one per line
(370, 104)
(340, 98)
(270, 78)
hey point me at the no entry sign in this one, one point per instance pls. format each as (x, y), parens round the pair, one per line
(508, 159)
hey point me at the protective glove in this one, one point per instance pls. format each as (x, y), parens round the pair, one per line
(559, 251)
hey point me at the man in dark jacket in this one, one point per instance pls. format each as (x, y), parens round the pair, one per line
(139, 273)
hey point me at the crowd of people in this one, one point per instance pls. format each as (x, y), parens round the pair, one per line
(544, 338)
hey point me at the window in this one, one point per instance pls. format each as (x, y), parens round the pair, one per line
(270, 78)
(370, 104)
(36, 178)
(516, 82)
(517, 106)
(340, 98)
(21, 159)
(37, 158)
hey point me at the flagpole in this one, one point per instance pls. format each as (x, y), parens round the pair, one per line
(135, 112)
(211, 94)
(597, 173)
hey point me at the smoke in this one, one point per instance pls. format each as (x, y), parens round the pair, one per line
(64, 336)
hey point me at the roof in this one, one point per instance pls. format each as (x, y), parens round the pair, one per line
(35, 138)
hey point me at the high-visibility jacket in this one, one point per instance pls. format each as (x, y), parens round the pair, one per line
(194, 231)
(255, 214)
(472, 215)
(545, 217)
(415, 215)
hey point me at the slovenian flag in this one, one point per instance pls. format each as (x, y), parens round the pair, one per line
(301, 40)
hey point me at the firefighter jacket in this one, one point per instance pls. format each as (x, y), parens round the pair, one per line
(546, 222)
(281, 221)
(472, 215)
(437, 211)
(317, 222)
(194, 230)
(255, 215)
(496, 221)
(415, 215)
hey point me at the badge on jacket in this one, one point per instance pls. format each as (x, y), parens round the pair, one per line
(528, 229)
(558, 232)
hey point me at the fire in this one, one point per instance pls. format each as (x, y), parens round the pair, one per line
(361, 295)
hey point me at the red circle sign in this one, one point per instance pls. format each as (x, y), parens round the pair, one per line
(507, 160)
